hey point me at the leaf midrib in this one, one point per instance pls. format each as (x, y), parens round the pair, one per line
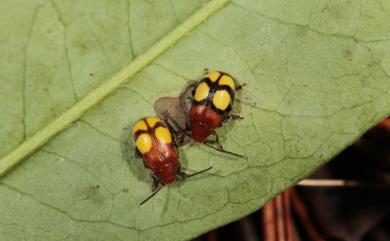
(79, 108)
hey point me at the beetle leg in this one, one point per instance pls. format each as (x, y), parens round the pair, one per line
(235, 117)
(186, 97)
(189, 98)
(216, 141)
(232, 117)
(182, 175)
(188, 125)
(220, 148)
(178, 139)
(137, 153)
(177, 130)
(156, 183)
(239, 87)
(171, 121)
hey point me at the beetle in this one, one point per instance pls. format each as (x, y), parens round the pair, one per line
(211, 103)
(155, 145)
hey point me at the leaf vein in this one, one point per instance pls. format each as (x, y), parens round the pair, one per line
(66, 50)
(129, 31)
(63, 212)
(105, 89)
(24, 80)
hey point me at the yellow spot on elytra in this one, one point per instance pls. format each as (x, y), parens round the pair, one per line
(139, 125)
(227, 80)
(144, 143)
(152, 121)
(202, 91)
(163, 135)
(221, 99)
(213, 76)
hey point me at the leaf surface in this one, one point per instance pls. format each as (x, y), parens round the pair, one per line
(317, 75)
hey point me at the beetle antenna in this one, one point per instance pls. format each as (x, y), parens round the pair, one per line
(196, 173)
(223, 151)
(152, 195)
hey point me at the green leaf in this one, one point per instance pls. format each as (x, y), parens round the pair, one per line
(317, 74)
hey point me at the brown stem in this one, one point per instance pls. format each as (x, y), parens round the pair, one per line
(280, 225)
(268, 218)
(212, 235)
(304, 217)
(287, 216)
(277, 220)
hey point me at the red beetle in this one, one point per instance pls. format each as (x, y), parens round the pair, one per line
(211, 103)
(156, 146)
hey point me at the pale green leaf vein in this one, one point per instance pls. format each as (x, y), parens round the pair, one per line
(77, 110)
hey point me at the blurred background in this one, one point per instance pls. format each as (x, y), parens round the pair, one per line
(348, 199)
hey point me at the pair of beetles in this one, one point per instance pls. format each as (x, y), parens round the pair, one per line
(157, 140)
